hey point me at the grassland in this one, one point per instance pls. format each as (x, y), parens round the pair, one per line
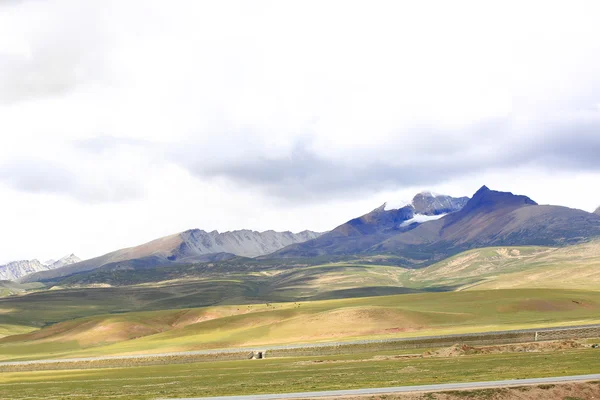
(574, 267)
(288, 375)
(307, 303)
(309, 283)
(304, 322)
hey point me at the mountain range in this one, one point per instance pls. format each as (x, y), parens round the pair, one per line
(191, 246)
(418, 233)
(17, 269)
(489, 218)
(597, 211)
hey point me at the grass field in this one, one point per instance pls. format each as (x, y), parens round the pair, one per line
(329, 320)
(288, 375)
(38, 309)
(308, 304)
(574, 267)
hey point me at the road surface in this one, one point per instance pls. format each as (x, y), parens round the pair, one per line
(405, 389)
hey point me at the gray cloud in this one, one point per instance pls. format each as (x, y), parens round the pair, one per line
(35, 176)
(573, 143)
(305, 173)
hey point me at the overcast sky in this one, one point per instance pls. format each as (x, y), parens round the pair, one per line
(123, 121)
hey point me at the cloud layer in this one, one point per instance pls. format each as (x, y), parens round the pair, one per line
(281, 106)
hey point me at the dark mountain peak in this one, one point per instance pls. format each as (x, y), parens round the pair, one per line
(485, 198)
(483, 189)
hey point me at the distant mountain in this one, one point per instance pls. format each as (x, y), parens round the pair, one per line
(66, 260)
(18, 269)
(418, 235)
(194, 245)
(597, 212)
(492, 218)
(359, 234)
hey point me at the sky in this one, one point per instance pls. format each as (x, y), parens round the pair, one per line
(124, 121)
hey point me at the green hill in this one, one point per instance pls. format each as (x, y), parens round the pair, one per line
(304, 322)
(572, 267)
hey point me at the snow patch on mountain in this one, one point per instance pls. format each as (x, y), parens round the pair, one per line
(420, 218)
(425, 206)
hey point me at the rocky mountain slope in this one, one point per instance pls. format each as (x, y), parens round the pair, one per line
(186, 247)
(489, 218)
(597, 211)
(493, 218)
(18, 269)
(359, 234)
(428, 203)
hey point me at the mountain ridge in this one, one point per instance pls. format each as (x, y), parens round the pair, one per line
(489, 218)
(359, 234)
(192, 245)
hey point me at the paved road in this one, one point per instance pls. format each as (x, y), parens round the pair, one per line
(293, 346)
(401, 389)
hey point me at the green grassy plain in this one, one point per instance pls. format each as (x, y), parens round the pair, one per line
(288, 375)
(305, 322)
